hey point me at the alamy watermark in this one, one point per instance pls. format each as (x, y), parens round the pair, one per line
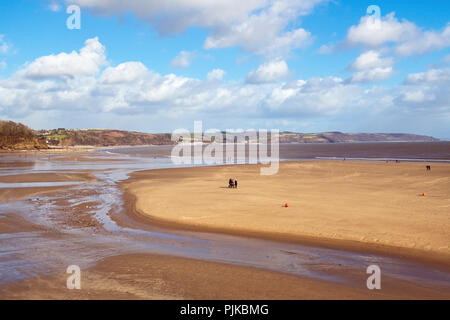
(74, 20)
(374, 280)
(374, 20)
(215, 147)
(74, 280)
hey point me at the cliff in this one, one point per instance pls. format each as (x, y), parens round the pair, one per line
(16, 136)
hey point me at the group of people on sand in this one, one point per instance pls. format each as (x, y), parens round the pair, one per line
(232, 183)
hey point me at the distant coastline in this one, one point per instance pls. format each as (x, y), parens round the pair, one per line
(16, 136)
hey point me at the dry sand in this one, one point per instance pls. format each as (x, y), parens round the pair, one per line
(357, 205)
(162, 277)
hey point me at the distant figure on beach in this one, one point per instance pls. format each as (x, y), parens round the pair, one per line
(230, 183)
(235, 183)
(428, 168)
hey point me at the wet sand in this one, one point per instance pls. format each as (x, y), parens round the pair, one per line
(20, 193)
(13, 223)
(47, 177)
(140, 276)
(185, 198)
(354, 205)
(16, 194)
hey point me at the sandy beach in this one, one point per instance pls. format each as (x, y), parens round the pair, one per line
(358, 205)
(204, 237)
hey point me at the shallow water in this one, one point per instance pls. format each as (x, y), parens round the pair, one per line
(27, 254)
(4, 185)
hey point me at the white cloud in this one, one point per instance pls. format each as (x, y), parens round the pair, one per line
(87, 62)
(183, 59)
(369, 66)
(131, 95)
(258, 26)
(406, 37)
(376, 74)
(2, 65)
(426, 91)
(434, 75)
(124, 73)
(415, 97)
(371, 59)
(216, 74)
(426, 42)
(373, 32)
(264, 32)
(269, 72)
(173, 16)
(324, 96)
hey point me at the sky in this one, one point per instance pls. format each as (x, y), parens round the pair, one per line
(293, 65)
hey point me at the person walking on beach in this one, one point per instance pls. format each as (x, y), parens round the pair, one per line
(230, 183)
(235, 183)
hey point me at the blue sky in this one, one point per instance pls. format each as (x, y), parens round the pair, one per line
(303, 65)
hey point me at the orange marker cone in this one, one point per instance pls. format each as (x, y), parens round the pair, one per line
(286, 205)
(424, 194)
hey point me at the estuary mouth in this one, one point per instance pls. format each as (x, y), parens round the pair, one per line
(85, 222)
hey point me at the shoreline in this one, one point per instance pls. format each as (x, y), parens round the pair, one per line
(436, 259)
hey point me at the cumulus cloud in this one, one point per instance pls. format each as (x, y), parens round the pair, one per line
(124, 73)
(258, 26)
(370, 59)
(406, 37)
(416, 97)
(430, 76)
(376, 74)
(173, 16)
(325, 96)
(216, 74)
(426, 91)
(86, 62)
(264, 32)
(183, 59)
(426, 42)
(369, 66)
(131, 94)
(269, 72)
(375, 32)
